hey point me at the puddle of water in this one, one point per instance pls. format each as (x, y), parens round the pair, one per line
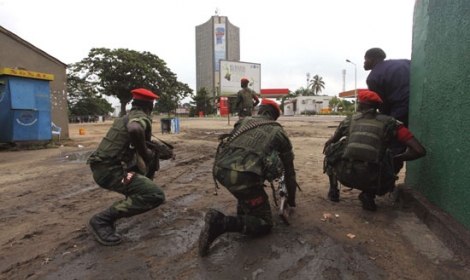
(290, 260)
(182, 234)
(187, 199)
(70, 194)
(80, 156)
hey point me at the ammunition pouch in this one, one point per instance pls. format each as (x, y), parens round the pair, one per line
(334, 152)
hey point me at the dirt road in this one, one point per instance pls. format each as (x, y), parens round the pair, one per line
(47, 197)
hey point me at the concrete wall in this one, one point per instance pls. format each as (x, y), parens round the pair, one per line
(15, 54)
(311, 103)
(440, 104)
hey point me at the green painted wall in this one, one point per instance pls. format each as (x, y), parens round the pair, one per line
(440, 104)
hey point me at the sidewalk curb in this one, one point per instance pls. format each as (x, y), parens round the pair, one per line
(454, 235)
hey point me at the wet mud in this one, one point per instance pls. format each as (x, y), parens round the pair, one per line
(47, 197)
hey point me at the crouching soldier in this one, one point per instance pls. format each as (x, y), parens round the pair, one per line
(123, 163)
(241, 166)
(359, 154)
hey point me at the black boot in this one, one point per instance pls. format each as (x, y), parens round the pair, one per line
(333, 193)
(103, 228)
(240, 211)
(367, 200)
(216, 224)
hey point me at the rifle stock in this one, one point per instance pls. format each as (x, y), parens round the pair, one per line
(284, 209)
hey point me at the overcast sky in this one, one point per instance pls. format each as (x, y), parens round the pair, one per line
(288, 38)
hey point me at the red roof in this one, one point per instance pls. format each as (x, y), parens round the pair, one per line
(350, 93)
(274, 91)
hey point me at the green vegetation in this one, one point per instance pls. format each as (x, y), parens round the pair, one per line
(116, 72)
(204, 102)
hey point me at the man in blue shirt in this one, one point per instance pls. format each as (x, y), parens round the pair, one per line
(390, 79)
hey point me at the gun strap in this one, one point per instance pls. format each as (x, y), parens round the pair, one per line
(247, 127)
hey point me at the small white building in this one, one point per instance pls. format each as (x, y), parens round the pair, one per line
(306, 105)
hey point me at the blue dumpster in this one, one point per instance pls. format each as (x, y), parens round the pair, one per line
(175, 125)
(25, 105)
(170, 125)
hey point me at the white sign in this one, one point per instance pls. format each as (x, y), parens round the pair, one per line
(231, 73)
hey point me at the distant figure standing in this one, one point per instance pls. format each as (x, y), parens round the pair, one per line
(390, 79)
(245, 99)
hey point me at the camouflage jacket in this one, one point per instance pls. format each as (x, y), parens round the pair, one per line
(245, 98)
(115, 146)
(249, 151)
(384, 135)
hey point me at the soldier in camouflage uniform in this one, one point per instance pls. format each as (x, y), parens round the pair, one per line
(241, 166)
(359, 153)
(120, 164)
(245, 99)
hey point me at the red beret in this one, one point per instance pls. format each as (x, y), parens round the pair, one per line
(367, 96)
(245, 80)
(144, 94)
(266, 101)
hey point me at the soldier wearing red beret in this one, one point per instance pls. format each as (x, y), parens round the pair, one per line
(256, 150)
(359, 153)
(245, 98)
(122, 163)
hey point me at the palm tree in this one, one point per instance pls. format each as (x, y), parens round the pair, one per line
(317, 84)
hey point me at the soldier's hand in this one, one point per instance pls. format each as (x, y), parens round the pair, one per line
(327, 143)
(291, 201)
(149, 155)
(397, 161)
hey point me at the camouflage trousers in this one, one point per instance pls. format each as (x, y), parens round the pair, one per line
(245, 112)
(248, 189)
(142, 194)
(375, 178)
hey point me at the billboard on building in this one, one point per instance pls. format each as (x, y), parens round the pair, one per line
(231, 72)
(220, 43)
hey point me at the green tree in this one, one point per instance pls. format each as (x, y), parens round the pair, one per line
(203, 101)
(91, 106)
(303, 92)
(82, 98)
(335, 103)
(348, 105)
(116, 72)
(77, 89)
(317, 84)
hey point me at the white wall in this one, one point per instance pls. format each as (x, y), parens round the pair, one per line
(311, 103)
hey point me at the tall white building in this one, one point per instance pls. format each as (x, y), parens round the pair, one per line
(215, 40)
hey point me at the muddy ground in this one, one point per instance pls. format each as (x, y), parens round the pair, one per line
(47, 197)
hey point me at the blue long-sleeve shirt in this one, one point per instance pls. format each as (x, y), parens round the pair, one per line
(390, 79)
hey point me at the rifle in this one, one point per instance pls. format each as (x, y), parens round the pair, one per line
(284, 209)
(161, 150)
